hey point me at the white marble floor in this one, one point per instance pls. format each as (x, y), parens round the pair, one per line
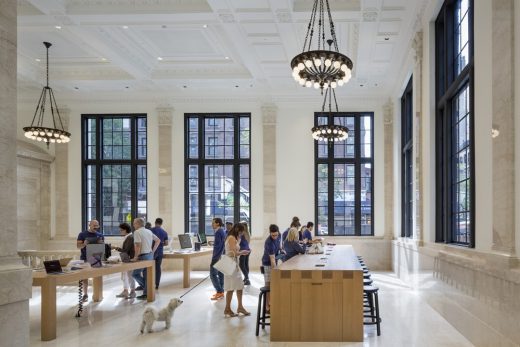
(407, 319)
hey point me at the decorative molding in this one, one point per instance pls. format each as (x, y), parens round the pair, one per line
(370, 14)
(165, 115)
(269, 114)
(417, 46)
(226, 16)
(283, 16)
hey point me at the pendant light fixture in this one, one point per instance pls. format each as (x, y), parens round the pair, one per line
(330, 132)
(319, 67)
(38, 130)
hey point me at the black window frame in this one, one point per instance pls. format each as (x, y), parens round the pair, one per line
(99, 162)
(447, 88)
(201, 162)
(407, 161)
(356, 160)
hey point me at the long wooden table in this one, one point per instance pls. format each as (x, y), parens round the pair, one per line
(310, 303)
(186, 257)
(49, 282)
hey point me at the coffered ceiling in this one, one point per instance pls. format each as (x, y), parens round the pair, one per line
(168, 49)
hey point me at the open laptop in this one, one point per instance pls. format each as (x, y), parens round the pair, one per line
(202, 238)
(96, 254)
(53, 267)
(185, 241)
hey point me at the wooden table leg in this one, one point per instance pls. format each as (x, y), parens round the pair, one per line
(48, 314)
(98, 289)
(150, 283)
(186, 272)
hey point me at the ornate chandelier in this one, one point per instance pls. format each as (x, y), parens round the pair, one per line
(37, 131)
(321, 68)
(330, 132)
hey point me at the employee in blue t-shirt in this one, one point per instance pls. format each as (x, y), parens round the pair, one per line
(84, 238)
(158, 255)
(217, 277)
(271, 251)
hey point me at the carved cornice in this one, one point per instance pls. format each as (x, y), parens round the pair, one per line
(283, 16)
(417, 46)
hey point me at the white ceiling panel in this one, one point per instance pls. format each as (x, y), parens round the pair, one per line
(270, 53)
(383, 52)
(174, 43)
(389, 27)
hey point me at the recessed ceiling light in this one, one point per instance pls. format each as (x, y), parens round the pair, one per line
(58, 27)
(127, 87)
(125, 26)
(227, 58)
(37, 59)
(184, 87)
(361, 85)
(104, 59)
(77, 88)
(387, 38)
(236, 86)
(159, 58)
(205, 26)
(164, 26)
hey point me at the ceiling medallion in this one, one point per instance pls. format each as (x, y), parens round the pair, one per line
(330, 132)
(37, 131)
(321, 67)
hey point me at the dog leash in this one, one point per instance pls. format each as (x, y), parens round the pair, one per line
(195, 286)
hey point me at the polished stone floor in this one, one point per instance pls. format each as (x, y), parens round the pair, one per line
(407, 319)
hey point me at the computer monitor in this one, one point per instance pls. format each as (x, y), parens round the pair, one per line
(96, 254)
(202, 238)
(185, 241)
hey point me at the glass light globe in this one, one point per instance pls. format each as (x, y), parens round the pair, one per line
(301, 66)
(317, 62)
(333, 84)
(301, 81)
(316, 85)
(53, 140)
(42, 133)
(308, 84)
(335, 131)
(343, 67)
(328, 62)
(340, 83)
(323, 131)
(348, 73)
(308, 63)
(337, 64)
(296, 69)
(325, 85)
(58, 141)
(35, 133)
(39, 138)
(329, 131)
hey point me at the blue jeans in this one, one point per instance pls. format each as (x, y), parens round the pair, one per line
(217, 277)
(158, 262)
(140, 274)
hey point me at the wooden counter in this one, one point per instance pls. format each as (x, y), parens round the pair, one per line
(186, 257)
(310, 303)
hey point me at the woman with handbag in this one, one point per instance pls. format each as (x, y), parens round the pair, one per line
(234, 281)
(126, 253)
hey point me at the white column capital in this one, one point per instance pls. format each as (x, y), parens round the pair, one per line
(165, 115)
(388, 112)
(269, 113)
(417, 46)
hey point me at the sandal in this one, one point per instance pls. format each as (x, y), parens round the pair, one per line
(243, 311)
(229, 313)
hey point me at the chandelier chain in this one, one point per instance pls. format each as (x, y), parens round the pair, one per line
(332, 29)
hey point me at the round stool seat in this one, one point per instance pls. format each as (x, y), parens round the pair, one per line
(370, 289)
(367, 282)
(265, 289)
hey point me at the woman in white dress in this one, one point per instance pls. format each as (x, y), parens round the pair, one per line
(234, 281)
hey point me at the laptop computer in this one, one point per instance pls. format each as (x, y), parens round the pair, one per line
(95, 254)
(53, 267)
(185, 241)
(202, 238)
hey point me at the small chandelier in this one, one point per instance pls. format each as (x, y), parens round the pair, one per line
(330, 132)
(37, 131)
(322, 67)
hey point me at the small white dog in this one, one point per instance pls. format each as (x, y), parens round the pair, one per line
(151, 314)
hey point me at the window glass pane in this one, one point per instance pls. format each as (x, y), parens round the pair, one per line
(366, 199)
(218, 139)
(322, 146)
(323, 200)
(219, 194)
(193, 199)
(117, 135)
(345, 149)
(245, 210)
(365, 125)
(344, 199)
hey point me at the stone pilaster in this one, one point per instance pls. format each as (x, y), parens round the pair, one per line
(15, 279)
(417, 46)
(503, 161)
(61, 182)
(388, 114)
(269, 115)
(165, 166)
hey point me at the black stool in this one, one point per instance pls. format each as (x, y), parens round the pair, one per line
(373, 304)
(261, 313)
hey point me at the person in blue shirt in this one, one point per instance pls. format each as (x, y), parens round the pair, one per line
(84, 238)
(295, 223)
(244, 258)
(217, 277)
(158, 256)
(271, 251)
(292, 246)
(307, 234)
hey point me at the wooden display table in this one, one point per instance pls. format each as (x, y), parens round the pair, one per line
(186, 257)
(310, 303)
(49, 282)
